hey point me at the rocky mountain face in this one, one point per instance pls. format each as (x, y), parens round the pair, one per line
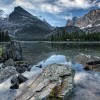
(24, 26)
(89, 22)
(19, 14)
(66, 29)
(72, 22)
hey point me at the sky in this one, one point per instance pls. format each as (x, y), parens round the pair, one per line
(55, 12)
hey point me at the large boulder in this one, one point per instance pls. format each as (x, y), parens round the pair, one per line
(13, 50)
(56, 82)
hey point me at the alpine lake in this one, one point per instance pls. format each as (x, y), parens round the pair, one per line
(87, 83)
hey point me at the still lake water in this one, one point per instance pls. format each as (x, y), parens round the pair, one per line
(87, 83)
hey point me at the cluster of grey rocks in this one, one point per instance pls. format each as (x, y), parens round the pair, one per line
(55, 82)
(12, 61)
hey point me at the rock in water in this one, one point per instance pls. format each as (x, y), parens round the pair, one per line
(56, 82)
(13, 50)
(22, 79)
(14, 79)
(14, 86)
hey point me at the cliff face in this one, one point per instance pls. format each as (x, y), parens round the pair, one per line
(89, 20)
(72, 22)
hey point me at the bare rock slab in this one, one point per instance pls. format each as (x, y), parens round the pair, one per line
(54, 83)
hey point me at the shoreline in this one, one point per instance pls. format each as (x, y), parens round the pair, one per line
(69, 42)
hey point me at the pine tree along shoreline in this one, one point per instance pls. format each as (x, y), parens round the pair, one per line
(4, 36)
(75, 36)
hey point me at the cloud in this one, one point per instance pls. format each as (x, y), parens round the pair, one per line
(50, 6)
(76, 4)
(64, 16)
(39, 5)
(98, 4)
(6, 1)
(55, 6)
(67, 17)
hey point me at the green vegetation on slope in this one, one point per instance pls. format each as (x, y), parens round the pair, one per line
(4, 36)
(75, 36)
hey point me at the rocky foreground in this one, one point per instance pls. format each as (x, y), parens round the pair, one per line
(45, 81)
(12, 61)
(55, 82)
(52, 82)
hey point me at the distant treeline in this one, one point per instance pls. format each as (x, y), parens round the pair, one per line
(4, 36)
(75, 36)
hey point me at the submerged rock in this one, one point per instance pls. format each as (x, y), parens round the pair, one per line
(13, 50)
(54, 83)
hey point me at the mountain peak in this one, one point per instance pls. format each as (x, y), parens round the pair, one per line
(19, 9)
(20, 13)
(93, 12)
(91, 19)
(72, 22)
